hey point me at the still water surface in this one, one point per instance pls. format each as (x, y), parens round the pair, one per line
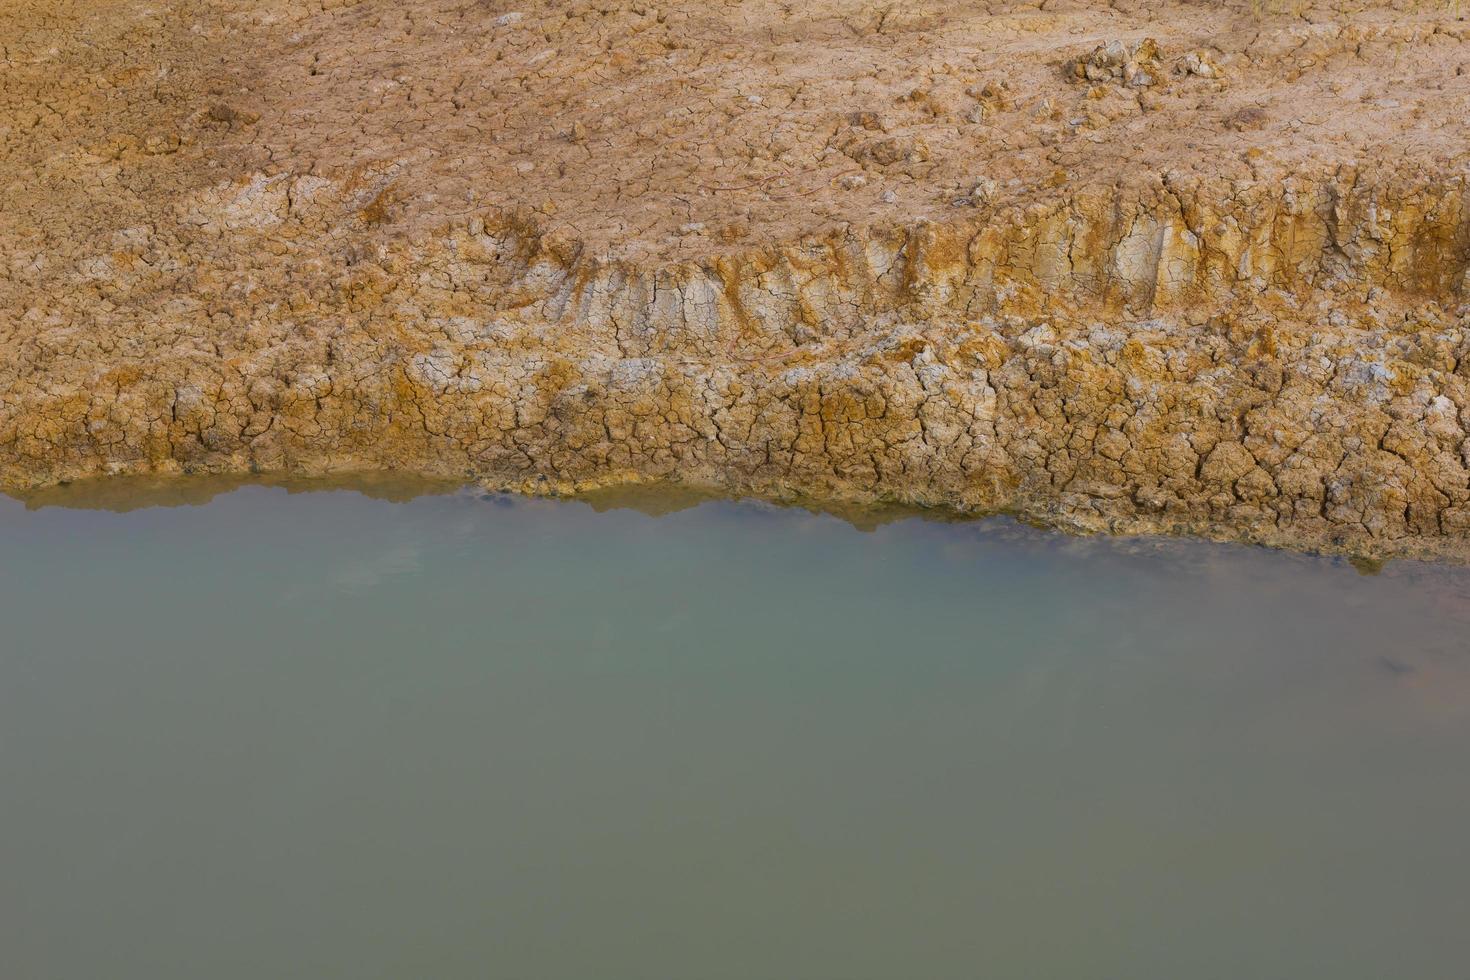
(329, 736)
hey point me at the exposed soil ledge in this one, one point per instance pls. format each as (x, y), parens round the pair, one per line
(1164, 268)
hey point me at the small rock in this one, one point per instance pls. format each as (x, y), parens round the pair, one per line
(1199, 63)
(1115, 61)
(983, 190)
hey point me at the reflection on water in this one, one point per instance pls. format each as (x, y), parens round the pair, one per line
(123, 494)
(332, 735)
(655, 500)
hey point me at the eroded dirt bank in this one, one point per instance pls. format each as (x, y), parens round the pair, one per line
(1163, 267)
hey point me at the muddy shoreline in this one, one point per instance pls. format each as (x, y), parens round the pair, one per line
(122, 494)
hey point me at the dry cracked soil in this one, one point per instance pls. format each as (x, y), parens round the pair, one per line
(1167, 267)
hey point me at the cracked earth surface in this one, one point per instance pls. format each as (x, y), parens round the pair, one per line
(1171, 267)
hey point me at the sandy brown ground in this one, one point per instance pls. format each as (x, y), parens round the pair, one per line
(1153, 266)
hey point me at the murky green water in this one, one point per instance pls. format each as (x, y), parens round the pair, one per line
(327, 736)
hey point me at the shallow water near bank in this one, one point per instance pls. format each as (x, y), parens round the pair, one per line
(339, 735)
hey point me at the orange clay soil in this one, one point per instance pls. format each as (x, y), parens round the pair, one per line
(1140, 267)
